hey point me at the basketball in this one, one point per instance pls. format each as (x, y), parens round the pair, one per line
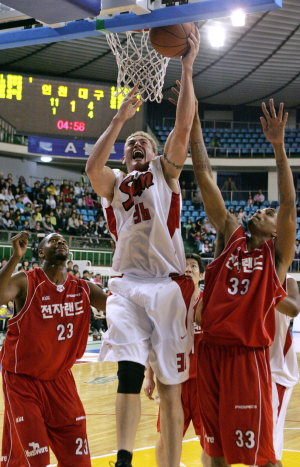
(172, 41)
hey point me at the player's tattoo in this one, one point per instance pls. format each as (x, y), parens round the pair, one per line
(199, 151)
(177, 166)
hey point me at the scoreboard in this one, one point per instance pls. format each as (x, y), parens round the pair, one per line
(56, 107)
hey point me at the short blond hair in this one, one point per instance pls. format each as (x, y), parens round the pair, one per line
(144, 135)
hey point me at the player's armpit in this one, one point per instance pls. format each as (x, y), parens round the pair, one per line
(97, 296)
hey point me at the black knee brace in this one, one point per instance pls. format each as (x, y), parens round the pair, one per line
(131, 377)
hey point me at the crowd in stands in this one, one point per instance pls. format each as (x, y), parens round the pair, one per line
(70, 207)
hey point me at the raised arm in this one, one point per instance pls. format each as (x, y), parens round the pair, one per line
(102, 177)
(14, 286)
(224, 222)
(177, 144)
(273, 127)
(290, 305)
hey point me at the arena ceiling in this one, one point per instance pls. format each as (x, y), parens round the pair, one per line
(258, 60)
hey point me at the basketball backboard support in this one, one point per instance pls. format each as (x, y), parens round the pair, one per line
(162, 15)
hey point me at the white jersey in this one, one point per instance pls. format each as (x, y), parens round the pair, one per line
(144, 221)
(283, 358)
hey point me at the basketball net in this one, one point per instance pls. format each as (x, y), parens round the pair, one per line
(138, 63)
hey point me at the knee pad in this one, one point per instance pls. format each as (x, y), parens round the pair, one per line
(131, 377)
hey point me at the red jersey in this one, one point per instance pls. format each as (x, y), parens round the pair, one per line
(240, 293)
(194, 352)
(50, 332)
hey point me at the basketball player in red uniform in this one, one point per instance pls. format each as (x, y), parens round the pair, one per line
(143, 213)
(45, 337)
(242, 287)
(194, 269)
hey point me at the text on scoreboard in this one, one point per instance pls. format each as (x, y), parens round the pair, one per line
(50, 106)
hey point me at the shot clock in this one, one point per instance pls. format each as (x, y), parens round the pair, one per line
(55, 107)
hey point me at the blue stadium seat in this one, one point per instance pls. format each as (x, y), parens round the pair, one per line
(183, 219)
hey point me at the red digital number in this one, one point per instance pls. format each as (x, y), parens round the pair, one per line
(66, 125)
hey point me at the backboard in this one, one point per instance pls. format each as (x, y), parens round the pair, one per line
(126, 15)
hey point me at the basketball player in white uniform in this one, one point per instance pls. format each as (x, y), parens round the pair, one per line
(146, 312)
(283, 360)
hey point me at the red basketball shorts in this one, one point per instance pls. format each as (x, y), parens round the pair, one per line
(234, 391)
(190, 407)
(42, 414)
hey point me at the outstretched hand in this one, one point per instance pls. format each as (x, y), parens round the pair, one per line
(273, 125)
(130, 104)
(176, 92)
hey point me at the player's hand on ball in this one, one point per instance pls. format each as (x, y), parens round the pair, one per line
(194, 43)
(20, 244)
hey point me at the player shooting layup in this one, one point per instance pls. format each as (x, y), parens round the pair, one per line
(143, 214)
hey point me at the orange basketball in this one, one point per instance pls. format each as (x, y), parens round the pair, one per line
(172, 41)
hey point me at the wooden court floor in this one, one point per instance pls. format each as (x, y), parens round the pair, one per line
(97, 383)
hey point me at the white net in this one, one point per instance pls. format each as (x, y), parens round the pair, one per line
(139, 63)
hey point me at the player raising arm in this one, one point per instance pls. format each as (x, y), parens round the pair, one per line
(46, 336)
(142, 209)
(242, 287)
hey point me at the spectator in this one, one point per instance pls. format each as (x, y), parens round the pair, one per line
(51, 189)
(86, 275)
(47, 226)
(50, 202)
(73, 224)
(259, 198)
(69, 266)
(6, 312)
(215, 142)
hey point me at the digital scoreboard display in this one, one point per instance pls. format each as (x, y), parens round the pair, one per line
(56, 107)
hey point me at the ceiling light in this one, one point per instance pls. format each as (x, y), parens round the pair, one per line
(46, 158)
(238, 18)
(216, 35)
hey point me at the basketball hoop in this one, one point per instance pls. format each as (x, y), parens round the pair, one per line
(138, 63)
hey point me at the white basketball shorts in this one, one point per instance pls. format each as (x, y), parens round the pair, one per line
(280, 400)
(151, 321)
